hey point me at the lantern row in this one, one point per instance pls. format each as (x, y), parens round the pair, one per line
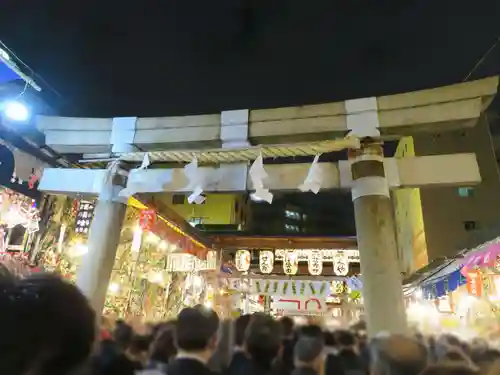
(290, 258)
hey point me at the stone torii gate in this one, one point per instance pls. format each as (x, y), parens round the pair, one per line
(222, 142)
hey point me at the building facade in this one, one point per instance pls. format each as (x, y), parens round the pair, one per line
(324, 214)
(217, 209)
(434, 223)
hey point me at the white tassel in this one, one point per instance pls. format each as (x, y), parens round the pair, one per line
(314, 178)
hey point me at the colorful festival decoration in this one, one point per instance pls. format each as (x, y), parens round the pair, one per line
(289, 288)
(482, 258)
(444, 285)
(147, 219)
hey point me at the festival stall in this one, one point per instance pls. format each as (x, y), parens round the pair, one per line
(294, 293)
(463, 297)
(158, 267)
(19, 221)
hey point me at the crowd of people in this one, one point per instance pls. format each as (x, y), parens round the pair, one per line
(48, 328)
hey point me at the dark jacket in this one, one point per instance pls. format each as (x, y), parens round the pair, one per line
(352, 363)
(239, 362)
(109, 360)
(188, 366)
(304, 371)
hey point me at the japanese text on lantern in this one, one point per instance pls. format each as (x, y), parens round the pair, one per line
(266, 261)
(84, 216)
(147, 219)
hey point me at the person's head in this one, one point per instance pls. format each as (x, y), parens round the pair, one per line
(346, 340)
(163, 347)
(308, 352)
(47, 326)
(263, 339)
(287, 326)
(123, 334)
(139, 347)
(240, 326)
(447, 368)
(329, 338)
(397, 355)
(310, 330)
(196, 329)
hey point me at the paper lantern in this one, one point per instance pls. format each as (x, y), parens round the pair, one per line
(341, 266)
(242, 260)
(266, 261)
(315, 262)
(291, 263)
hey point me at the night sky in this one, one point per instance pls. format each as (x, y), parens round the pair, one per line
(160, 58)
(157, 58)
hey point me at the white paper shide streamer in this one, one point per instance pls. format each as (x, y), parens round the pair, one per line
(139, 185)
(314, 178)
(197, 181)
(257, 175)
(341, 265)
(290, 263)
(266, 261)
(315, 262)
(242, 260)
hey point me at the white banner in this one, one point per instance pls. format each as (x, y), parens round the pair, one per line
(299, 305)
(187, 263)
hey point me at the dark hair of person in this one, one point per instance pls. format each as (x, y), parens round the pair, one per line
(449, 369)
(345, 338)
(287, 325)
(196, 327)
(161, 326)
(329, 338)
(311, 330)
(122, 335)
(163, 346)
(240, 326)
(139, 344)
(48, 326)
(263, 340)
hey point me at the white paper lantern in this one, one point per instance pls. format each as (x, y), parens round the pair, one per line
(291, 263)
(242, 260)
(341, 266)
(266, 261)
(315, 262)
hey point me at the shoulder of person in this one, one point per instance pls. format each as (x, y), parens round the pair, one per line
(150, 372)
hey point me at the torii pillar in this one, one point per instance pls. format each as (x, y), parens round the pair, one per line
(375, 228)
(104, 236)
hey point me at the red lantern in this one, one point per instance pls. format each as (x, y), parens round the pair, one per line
(147, 219)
